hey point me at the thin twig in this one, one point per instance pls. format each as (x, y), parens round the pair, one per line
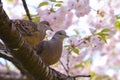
(81, 76)
(68, 60)
(26, 9)
(64, 66)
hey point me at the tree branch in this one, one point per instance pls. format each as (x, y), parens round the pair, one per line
(17, 64)
(26, 9)
(81, 76)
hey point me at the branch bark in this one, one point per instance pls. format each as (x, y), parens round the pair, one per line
(23, 52)
(17, 64)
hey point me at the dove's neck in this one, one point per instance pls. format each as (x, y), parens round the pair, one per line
(57, 39)
(44, 28)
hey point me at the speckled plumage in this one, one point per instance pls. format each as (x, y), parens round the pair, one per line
(32, 32)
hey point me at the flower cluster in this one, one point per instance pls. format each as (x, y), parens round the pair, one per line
(103, 17)
(63, 17)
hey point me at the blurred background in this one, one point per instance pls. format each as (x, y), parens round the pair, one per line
(94, 29)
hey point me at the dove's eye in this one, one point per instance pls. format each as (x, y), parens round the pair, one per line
(61, 33)
(48, 24)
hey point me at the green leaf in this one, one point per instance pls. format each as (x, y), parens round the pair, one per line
(104, 39)
(88, 63)
(10, 0)
(92, 74)
(59, 1)
(43, 4)
(102, 36)
(36, 19)
(117, 24)
(76, 50)
(58, 5)
(79, 65)
(53, 0)
(106, 30)
(67, 47)
(87, 38)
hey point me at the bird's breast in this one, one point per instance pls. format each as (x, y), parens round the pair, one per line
(33, 39)
(54, 54)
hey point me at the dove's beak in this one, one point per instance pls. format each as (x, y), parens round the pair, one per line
(51, 29)
(67, 36)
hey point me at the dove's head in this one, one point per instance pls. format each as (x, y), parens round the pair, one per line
(60, 35)
(46, 25)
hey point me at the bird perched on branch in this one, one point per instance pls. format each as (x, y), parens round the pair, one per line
(50, 51)
(32, 32)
